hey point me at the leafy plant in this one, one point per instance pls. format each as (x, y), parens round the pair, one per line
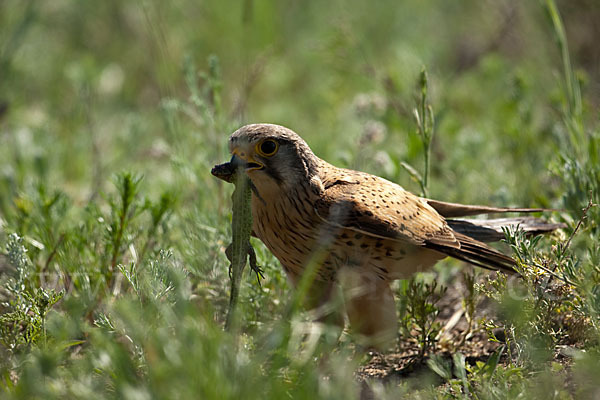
(24, 322)
(423, 114)
(418, 312)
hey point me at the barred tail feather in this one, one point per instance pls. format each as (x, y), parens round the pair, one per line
(476, 253)
(490, 230)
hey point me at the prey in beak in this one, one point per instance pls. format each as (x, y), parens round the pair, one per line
(227, 171)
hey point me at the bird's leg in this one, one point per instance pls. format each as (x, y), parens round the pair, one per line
(322, 299)
(370, 307)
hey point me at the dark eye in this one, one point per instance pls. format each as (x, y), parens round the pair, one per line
(268, 147)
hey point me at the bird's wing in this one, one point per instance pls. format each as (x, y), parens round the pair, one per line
(451, 210)
(377, 207)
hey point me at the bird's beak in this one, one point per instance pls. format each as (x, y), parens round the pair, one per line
(243, 158)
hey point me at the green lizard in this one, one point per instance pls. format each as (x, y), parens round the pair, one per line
(240, 248)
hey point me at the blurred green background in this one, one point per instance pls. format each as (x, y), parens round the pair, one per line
(91, 89)
(86, 87)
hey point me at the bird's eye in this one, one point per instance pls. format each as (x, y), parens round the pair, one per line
(267, 147)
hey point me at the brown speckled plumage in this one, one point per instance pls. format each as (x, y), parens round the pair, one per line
(363, 230)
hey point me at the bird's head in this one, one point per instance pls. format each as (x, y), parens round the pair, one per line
(274, 157)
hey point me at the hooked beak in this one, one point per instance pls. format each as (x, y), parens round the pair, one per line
(241, 159)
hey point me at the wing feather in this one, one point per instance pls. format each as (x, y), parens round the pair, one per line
(380, 208)
(451, 210)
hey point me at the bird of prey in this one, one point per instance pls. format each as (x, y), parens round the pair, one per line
(363, 231)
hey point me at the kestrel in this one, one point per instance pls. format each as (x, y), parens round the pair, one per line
(363, 231)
